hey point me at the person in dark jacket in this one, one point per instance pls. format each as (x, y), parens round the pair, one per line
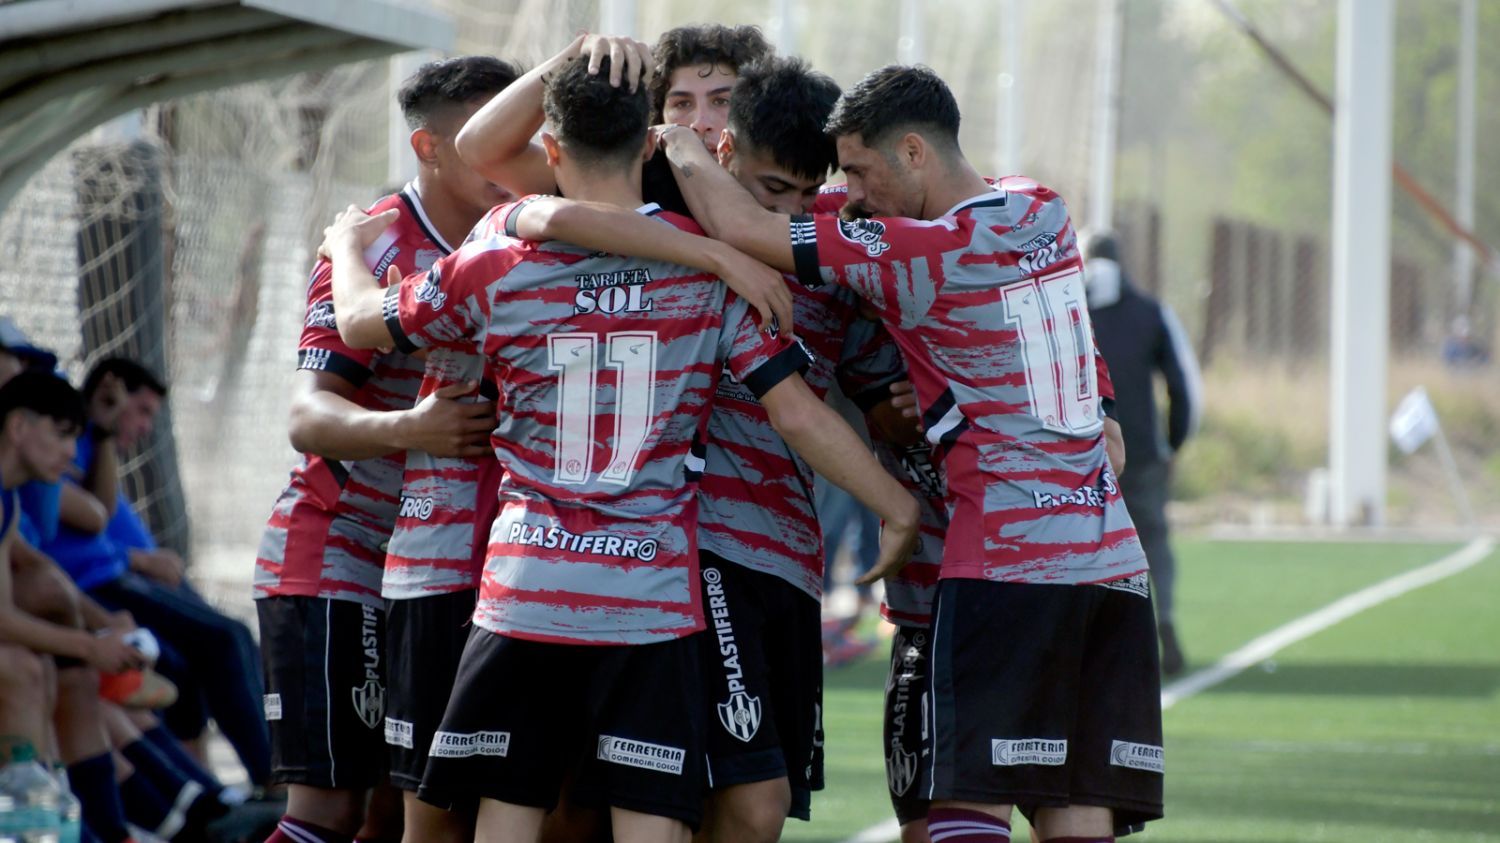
(1139, 337)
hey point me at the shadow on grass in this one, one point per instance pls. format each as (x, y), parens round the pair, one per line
(1370, 680)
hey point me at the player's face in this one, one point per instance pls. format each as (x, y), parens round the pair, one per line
(773, 186)
(457, 178)
(47, 446)
(878, 181)
(698, 97)
(137, 417)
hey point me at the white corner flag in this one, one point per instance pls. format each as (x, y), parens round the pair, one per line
(1414, 422)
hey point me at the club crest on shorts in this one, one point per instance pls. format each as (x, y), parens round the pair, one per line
(369, 703)
(900, 770)
(741, 715)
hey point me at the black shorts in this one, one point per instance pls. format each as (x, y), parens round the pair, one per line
(1047, 696)
(424, 638)
(762, 663)
(524, 715)
(325, 690)
(908, 751)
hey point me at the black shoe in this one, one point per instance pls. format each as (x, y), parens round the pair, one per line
(1172, 660)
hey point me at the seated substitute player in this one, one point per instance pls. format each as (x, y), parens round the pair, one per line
(318, 575)
(979, 284)
(759, 541)
(595, 542)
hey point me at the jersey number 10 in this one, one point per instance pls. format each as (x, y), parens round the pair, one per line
(633, 355)
(1051, 315)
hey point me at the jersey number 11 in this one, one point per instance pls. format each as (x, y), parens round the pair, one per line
(633, 355)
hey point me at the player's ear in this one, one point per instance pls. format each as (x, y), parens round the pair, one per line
(912, 148)
(552, 148)
(726, 147)
(424, 143)
(648, 147)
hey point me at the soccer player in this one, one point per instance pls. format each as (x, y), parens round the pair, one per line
(497, 141)
(758, 535)
(594, 544)
(318, 573)
(1056, 707)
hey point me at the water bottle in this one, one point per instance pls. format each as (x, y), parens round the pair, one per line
(34, 806)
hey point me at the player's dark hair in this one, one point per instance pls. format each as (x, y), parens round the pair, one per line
(910, 98)
(133, 375)
(45, 394)
(438, 88)
(713, 44)
(779, 106)
(593, 120)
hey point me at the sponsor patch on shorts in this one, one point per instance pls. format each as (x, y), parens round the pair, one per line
(647, 756)
(1016, 752)
(398, 733)
(273, 706)
(1137, 756)
(465, 744)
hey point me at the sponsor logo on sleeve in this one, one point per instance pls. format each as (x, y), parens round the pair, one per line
(867, 233)
(1137, 756)
(428, 292)
(1016, 752)
(273, 706)
(1041, 252)
(466, 744)
(320, 315)
(647, 756)
(398, 732)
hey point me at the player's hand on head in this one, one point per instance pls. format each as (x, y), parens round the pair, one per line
(355, 228)
(630, 60)
(762, 287)
(897, 542)
(447, 424)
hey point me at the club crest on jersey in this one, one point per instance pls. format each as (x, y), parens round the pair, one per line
(741, 715)
(900, 770)
(428, 292)
(610, 293)
(867, 233)
(423, 259)
(320, 315)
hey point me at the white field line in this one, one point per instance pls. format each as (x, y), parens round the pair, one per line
(1280, 638)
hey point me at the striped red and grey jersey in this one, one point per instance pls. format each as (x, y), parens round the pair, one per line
(327, 533)
(447, 503)
(755, 502)
(874, 363)
(607, 367)
(987, 306)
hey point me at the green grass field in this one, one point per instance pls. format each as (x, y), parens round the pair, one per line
(1385, 727)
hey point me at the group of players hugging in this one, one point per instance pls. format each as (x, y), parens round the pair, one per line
(550, 563)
